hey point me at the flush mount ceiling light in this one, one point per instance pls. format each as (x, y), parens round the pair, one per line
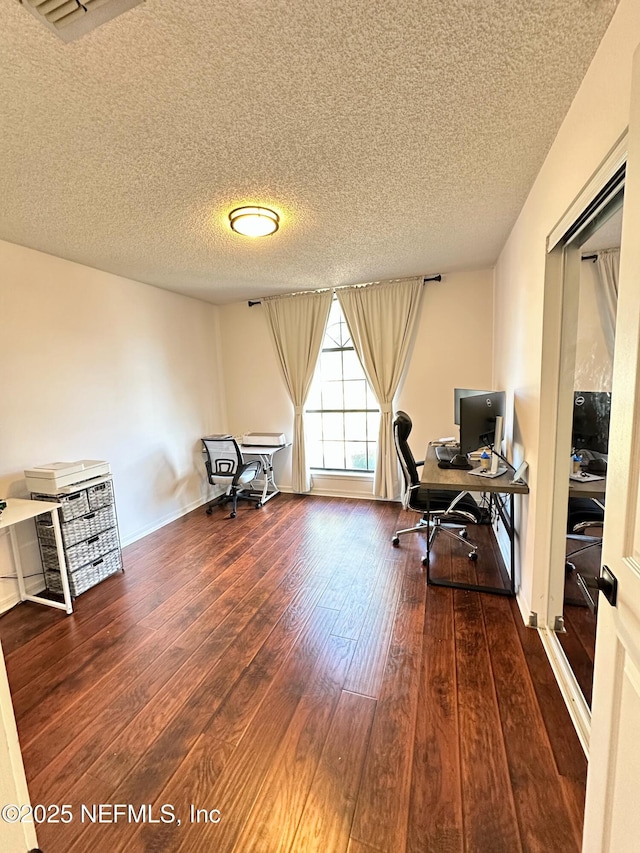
(254, 221)
(72, 19)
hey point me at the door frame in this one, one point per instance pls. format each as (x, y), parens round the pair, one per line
(13, 782)
(559, 324)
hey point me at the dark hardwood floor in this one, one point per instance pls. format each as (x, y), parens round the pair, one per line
(579, 637)
(291, 670)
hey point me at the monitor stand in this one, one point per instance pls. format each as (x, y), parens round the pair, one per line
(496, 469)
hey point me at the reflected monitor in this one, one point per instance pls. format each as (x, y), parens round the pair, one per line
(591, 412)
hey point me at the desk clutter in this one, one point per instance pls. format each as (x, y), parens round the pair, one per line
(588, 465)
(88, 522)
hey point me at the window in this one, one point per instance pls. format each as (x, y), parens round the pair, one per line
(342, 414)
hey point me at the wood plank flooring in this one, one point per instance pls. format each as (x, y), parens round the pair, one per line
(579, 637)
(285, 682)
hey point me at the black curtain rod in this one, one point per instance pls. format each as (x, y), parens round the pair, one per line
(593, 258)
(438, 277)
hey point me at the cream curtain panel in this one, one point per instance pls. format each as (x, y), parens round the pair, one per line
(297, 325)
(382, 320)
(608, 269)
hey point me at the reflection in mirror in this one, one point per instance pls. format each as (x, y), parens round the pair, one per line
(587, 457)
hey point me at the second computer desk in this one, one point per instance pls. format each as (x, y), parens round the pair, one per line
(265, 454)
(459, 480)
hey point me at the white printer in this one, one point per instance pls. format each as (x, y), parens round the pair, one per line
(264, 439)
(56, 478)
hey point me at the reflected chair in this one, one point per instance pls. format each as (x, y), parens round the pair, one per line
(226, 468)
(583, 513)
(443, 506)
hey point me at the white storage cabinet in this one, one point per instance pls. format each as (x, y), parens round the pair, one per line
(90, 537)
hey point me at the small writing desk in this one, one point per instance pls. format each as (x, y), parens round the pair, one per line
(265, 454)
(459, 480)
(22, 510)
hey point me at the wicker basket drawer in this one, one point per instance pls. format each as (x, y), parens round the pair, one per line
(100, 495)
(87, 576)
(77, 529)
(71, 506)
(84, 552)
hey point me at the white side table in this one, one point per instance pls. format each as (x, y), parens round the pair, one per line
(18, 510)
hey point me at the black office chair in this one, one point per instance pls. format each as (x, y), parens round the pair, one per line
(583, 513)
(226, 467)
(443, 505)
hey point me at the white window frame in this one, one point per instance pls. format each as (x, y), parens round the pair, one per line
(344, 411)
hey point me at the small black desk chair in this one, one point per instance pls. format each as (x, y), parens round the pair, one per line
(582, 514)
(444, 506)
(226, 467)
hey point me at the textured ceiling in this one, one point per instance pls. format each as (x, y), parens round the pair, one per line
(393, 138)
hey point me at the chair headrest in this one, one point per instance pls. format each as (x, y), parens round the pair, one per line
(401, 429)
(402, 425)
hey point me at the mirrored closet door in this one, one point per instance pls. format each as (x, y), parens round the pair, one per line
(587, 453)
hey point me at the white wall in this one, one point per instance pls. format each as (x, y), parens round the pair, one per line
(95, 366)
(598, 116)
(453, 349)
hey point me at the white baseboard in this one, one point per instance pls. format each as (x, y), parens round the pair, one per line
(167, 519)
(566, 680)
(345, 493)
(34, 586)
(340, 484)
(334, 492)
(571, 693)
(504, 545)
(529, 616)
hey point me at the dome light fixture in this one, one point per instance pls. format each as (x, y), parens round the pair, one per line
(254, 221)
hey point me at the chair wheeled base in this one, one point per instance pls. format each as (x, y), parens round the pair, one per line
(233, 498)
(436, 526)
(440, 509)
(592, 542)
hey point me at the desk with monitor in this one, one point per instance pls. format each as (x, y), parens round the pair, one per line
(588, 486)
(479, 415)
(458, 480)
(590, 444)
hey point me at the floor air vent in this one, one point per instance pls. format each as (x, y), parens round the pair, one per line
(71, 19)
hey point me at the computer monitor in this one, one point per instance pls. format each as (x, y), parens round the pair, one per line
(591, 412)
(458, 394)
(478, 420)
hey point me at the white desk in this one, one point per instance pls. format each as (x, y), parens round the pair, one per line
(22, 510)
(265, 455)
